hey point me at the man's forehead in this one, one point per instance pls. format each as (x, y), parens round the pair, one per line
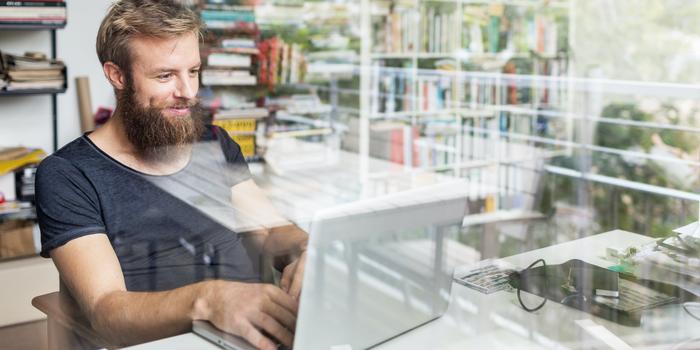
(150, 52)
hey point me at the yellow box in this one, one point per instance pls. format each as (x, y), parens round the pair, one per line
(237, 125)
(247, 143)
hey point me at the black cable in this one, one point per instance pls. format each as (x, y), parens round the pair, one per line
(694, 304)
(520, 300)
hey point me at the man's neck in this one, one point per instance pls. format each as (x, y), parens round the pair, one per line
(111, 138)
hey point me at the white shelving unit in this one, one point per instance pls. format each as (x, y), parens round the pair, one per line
(458, 109)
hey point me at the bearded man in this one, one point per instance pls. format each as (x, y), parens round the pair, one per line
(115, 206)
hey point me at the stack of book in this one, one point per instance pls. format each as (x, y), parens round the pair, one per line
(242, 124)
(299, 115)
(228, 16)
(396, 91)
(292, 64)
(440, 29)
(395, 29)
(386, 140)
(15, 159)
(31, 71)
(33, 13)
(268, 62)
(281, 62)
(231, 46)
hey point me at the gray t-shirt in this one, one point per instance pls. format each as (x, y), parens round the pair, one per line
(156, 225)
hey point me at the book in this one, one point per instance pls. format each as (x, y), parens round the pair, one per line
(231, 26)
(18, 161)
(241, 113)
(32, 71)
(226, 15)
(38, 84)
(219, 59)
(16, 62)
(34, 74)
(44, 3)
(247, 144)
(213, 77)
(31, 23)
(7, 153)
(237, 125)
(31, 12)
(238, 42)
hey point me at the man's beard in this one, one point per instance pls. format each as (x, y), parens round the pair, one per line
(154, 136)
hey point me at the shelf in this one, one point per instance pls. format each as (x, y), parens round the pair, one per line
(462, 112)
(410, 55)
(521, 3)
(300, 133)
(19, 214)
(31, 92)
(462, 55)
(18, 26)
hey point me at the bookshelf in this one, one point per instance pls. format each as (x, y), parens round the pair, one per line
(320, 38)
(18, 215)
(51, 92)
(33, 92)
(275, 101)
(423, 70)
(4, 26)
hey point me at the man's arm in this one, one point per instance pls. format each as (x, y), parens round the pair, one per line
(255, 211)
(91, 270)
(278, 237)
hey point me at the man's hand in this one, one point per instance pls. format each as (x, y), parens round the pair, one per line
(293, 275)
(248, 310)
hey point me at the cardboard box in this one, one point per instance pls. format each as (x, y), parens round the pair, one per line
(16, 239)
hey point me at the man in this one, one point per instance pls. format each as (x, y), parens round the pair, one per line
(140, 261)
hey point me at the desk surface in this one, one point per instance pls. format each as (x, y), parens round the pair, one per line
(324, 178)
(496, 321)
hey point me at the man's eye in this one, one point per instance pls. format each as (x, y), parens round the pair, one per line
(194, 72)
(164, 76)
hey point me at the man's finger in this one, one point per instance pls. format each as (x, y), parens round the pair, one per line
(287, 275)
(287, 319)
(295, 289)
(283, 299)
(253, 336)
(274, 328)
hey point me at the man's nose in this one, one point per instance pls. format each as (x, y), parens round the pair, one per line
(185, 89)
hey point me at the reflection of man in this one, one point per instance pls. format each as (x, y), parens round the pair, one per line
(142, 263)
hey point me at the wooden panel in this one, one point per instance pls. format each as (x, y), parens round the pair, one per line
(23, 280)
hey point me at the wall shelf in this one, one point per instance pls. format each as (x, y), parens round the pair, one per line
(9, 26)
(50, 92)
(27, 92)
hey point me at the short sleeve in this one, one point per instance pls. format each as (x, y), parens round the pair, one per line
(235, 161)
(67, 204)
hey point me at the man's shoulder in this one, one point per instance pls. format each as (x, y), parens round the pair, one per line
(73, 154)
(211, 133)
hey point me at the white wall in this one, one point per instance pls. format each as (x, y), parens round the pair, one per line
(26, 120)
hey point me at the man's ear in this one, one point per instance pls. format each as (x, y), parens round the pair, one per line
(115, 75)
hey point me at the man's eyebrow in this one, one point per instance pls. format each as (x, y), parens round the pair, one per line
(168, 69)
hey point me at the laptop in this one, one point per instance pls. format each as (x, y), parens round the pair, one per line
(375, 269)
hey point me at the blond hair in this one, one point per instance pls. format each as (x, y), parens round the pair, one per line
(130, 18)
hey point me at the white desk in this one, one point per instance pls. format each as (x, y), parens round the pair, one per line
(496, 321)
(301, 178)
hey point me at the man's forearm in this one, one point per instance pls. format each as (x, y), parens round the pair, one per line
(285, 243)
(125, 318)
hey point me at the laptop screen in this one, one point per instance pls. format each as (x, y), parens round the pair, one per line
(378, 268)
